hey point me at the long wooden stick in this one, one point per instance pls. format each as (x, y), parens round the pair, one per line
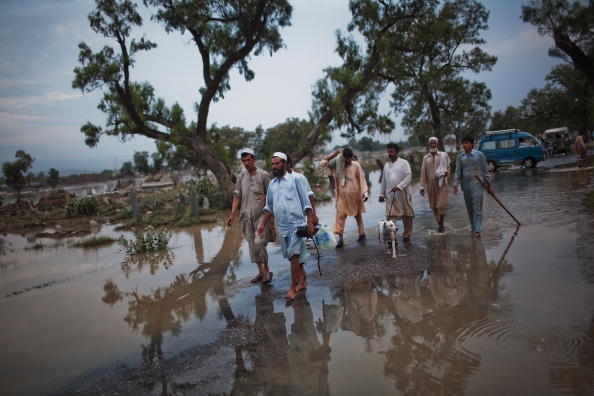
(498, 201)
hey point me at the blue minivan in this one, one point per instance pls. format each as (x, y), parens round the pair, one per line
(511, 146)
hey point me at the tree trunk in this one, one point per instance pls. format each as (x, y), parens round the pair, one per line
(435, 116)
(205, 155)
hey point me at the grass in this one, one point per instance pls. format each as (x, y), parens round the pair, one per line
(94, 242)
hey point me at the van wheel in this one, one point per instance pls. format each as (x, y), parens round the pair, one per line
(491, 166)
(529, 162)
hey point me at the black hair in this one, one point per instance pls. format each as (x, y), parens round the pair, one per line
(347, 152)
(393, 146)
(289, 160)
(245, 154)
(468, 139)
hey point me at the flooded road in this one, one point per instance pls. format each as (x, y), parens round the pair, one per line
(451, 315)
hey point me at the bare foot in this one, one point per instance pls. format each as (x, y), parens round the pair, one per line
(301, 286)
(477, 235)
(291, 294)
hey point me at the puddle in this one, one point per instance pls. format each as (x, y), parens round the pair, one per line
(511, 313)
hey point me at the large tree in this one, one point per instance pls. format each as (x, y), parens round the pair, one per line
(348, 96)
(441, 45)
(566, 100)
(571, 25)
(15, 172)
(225, 32)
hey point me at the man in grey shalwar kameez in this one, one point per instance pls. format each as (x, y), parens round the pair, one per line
(469, 164)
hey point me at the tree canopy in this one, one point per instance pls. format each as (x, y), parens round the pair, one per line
(571, 25)
(15, 172)
(225, 33)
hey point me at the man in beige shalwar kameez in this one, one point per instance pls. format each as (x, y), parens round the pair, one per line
(395, 190)
(351, 191)
(434, 181)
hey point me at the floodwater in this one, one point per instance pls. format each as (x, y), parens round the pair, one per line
(512, 313)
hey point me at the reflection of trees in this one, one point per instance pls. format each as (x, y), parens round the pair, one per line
(165, 309)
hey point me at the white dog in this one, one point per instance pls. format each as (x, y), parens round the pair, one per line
(386, 233)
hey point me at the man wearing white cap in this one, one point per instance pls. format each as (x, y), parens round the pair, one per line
(288, 202)
(434, 181)
(250, 196)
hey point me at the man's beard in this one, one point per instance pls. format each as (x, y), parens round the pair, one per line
(393, 158)
(278, 172)
(433, 150)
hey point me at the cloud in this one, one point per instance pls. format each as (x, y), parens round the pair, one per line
(526, 41)
(6, 82)
(10, 118)
(19, 103)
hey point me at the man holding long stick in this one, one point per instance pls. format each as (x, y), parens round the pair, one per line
(469, 164)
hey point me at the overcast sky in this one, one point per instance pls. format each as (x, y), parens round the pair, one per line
(42, 114)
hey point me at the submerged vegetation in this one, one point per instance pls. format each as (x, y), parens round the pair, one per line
(147, 242)
(94, 242)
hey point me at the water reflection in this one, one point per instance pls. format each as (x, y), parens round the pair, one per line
(280, 363)
(165, 309)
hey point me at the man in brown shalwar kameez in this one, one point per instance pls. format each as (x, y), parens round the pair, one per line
(249, 198)
(434, 181)
(351, 190)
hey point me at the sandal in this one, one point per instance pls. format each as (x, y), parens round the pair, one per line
(267, 278)
(257, 278)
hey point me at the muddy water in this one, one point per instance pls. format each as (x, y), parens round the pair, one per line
(511, 313)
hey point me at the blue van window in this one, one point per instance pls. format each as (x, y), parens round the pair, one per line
(489, 145)
(508, 143)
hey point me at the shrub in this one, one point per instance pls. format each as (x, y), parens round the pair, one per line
(150, 241)
(206, 187)
(83, 206)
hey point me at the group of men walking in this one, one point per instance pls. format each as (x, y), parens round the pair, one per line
(284, 204)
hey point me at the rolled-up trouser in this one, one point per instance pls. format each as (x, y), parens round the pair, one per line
(292, 245)
(473, 198)
(341, 220)
(257, 245)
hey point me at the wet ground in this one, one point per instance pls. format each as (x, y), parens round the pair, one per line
(512, 313)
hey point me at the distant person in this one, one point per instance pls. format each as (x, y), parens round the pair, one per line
(287, 201)
(434, 180)
(249, 198)
(469, 164)
(580, 149)
(395, 190)
(351, 190)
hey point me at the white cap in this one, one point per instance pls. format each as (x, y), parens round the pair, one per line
(433, 138)
(246, 151)
(280, 155)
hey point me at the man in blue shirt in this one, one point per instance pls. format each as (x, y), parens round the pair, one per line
(469, 164)
(288, 202)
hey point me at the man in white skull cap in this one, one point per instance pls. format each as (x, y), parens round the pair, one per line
(288, 202)
(249, 198)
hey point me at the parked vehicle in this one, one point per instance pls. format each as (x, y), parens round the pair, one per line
(557, 140)
(511, 146)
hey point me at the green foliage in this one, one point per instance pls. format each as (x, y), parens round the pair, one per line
(225, 33)
(141, 163)
(53, 177)
(287, 137)
(127, 169)
(570, 24)
(205, 187)
(147, 242)
(83, 206)
(14, 172)
(566, 100)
